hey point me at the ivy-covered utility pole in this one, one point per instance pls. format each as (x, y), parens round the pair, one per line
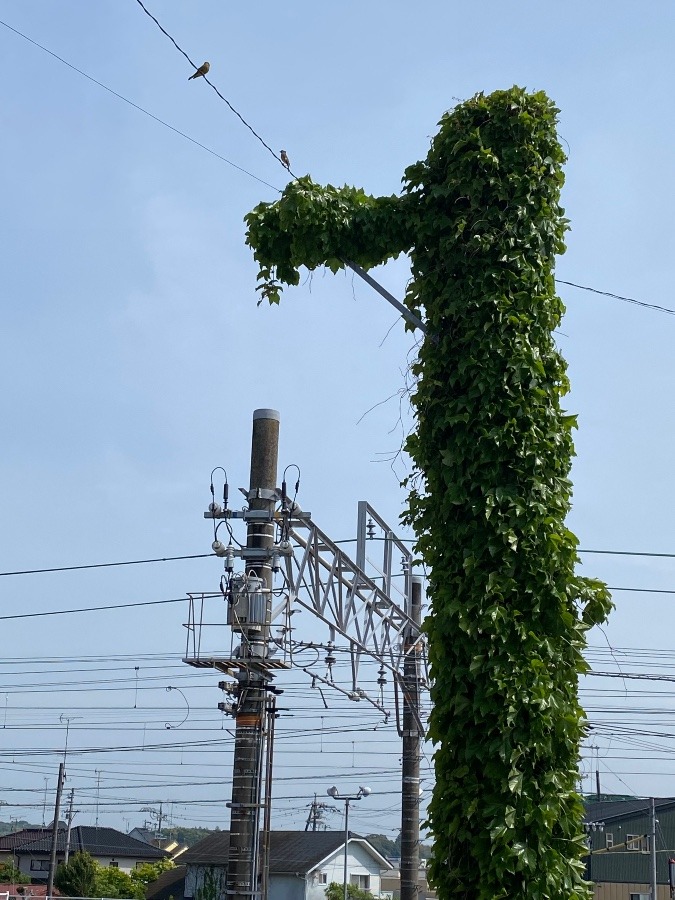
(490, 489)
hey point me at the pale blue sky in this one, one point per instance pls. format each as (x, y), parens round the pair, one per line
(133, 351)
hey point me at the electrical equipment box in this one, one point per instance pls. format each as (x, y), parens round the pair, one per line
(248, 608)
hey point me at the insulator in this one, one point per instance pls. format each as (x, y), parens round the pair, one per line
(275, 560)
(229, 558)
(370, 527)
(381, 680)
(215, 508)
(330, 660)
(219, 548)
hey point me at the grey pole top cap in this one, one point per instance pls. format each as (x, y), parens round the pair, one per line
(266, 414)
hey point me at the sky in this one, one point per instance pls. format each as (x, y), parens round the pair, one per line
(133, 355)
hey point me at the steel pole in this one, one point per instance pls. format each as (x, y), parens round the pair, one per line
(410, 769)
(55, 831)
(345, 876)
(652, 841)
(242, 870)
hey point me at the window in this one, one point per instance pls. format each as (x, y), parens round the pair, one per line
(39, 865)
(322, 878)
(636, 842)
(609, 840)
(640, 897)
(114, 864)
(361, 881)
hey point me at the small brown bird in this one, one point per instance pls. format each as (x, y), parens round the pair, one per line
(202, 70)
(285, 160)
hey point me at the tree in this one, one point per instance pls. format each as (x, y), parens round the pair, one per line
(490, 490)
(77, 877)
(145, 874)
(9, 874)
(336, 891)
(113, 882)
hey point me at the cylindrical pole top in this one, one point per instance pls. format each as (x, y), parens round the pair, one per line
(266, 414)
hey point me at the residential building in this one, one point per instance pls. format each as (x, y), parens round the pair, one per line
(619, 838)
(8, 842)
(302, 864)
(108, 846)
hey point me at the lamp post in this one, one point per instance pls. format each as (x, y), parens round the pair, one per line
(336, 795)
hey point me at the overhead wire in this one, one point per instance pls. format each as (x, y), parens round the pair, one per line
(140, 108)
(585, 287)
(212, 85)
(107, 565)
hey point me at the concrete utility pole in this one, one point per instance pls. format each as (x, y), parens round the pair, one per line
(55, 830)
(652, 841)
(66, 852)
(243, 867)
(412, 739)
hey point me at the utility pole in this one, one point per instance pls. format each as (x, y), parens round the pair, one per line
(652, 841)
(66, 852)
(243, 863)
(55, 831)
(412, 738)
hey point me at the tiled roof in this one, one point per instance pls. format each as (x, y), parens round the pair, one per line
(169, 884)
(10, 841)
(606, 810)
(97, 841)
(290, 851)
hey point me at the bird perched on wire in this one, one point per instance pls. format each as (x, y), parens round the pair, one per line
(285, 160)
(202, 70)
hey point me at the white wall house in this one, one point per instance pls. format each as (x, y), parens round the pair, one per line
(302, 864)
(108, 846)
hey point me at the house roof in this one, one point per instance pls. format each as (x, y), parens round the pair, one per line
(10, 841)
(169, 884)
(290, 851)
(613, 810)
(97, 841)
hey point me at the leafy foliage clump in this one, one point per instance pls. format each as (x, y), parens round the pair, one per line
(82, 876)
(490, 490)
(336, 891)
(9, 874)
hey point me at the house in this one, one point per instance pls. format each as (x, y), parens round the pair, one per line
(172, 847)
(619, 839)
(169, 886)
(302, 864)
(108, 846)
(9, 841)
(390, 883)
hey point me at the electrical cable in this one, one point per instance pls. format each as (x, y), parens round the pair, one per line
(584, 287)
(129, 562)
(65, 612)
(140, 108)
(212, 85)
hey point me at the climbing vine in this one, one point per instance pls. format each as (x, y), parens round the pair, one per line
(490, 491)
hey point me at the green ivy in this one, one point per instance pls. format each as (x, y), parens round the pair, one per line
(490, 490)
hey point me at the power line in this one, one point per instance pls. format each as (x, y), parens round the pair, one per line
(584, 287)
(65, 612)
(212, 85)
(140, 108)
(128, 562)
(229, 162)
(629, 553)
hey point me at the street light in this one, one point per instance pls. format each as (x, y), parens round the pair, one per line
(335, 794)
